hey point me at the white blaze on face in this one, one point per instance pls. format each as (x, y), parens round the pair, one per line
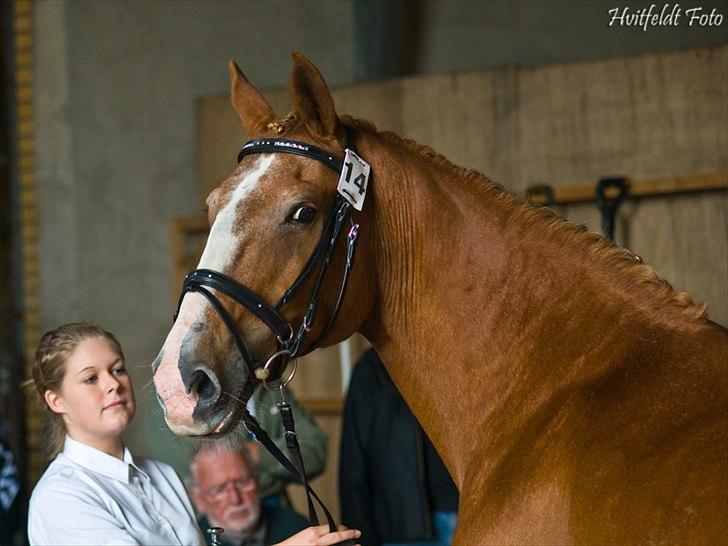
(219, 252)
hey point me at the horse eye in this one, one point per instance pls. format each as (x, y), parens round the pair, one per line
(304, 214)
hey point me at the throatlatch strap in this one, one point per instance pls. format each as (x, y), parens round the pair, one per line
(319, 251)
(350, 253)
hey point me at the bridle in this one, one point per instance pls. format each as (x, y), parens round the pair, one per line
(290, 342)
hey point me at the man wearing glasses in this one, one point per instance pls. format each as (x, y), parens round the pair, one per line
(223, 486)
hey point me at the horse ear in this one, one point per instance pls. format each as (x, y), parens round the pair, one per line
(312, 98)
(253, 110)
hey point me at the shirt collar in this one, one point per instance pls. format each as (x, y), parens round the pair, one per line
(100, 462)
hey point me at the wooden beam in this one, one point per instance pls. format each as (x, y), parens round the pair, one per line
(185, 255)
(195, 224)
(640, 188)
(323, 406)
(31, 448)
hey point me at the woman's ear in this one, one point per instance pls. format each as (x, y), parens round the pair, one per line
(54, 401)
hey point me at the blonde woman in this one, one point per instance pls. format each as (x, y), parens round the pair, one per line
(95, 491)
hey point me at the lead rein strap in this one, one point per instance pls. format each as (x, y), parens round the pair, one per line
(350, 253)
(263, 437)
(294, 447)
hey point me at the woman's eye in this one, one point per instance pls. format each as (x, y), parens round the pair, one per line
(90, 379)
(120, 371)
(304, 214)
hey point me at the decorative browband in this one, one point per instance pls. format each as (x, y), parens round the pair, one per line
(271, 145)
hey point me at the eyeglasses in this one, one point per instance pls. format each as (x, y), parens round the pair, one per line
(220, 492)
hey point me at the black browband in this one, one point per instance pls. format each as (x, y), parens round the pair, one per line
(290, 342)
(273, 145)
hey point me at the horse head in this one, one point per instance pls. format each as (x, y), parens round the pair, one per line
(270, 221)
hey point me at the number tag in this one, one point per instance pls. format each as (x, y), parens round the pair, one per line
(354, 179)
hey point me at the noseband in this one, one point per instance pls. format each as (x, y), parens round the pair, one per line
(289, 341)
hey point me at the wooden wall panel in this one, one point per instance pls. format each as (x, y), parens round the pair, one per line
(28, 214)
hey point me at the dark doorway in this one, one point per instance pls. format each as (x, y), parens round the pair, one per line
(12, 418)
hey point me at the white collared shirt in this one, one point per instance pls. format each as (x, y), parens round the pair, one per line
(89, 497)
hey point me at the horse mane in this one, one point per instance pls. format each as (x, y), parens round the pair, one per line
(545, 221)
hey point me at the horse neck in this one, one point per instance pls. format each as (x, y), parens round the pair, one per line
(471, 297)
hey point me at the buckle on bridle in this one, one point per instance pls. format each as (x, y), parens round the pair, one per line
(285, 342)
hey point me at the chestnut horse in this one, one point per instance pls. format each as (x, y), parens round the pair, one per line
(575, 397)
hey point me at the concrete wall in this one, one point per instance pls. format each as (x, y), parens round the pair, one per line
(116, 88)
(457, 35)
(117, 83)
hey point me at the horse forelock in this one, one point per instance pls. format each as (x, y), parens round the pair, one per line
(283, 125)
(544, 223)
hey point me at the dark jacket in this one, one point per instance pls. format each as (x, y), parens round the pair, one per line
(12, 498)
(281, 523)
(386, 462)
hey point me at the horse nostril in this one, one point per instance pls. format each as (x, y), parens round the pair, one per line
(207, 388)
